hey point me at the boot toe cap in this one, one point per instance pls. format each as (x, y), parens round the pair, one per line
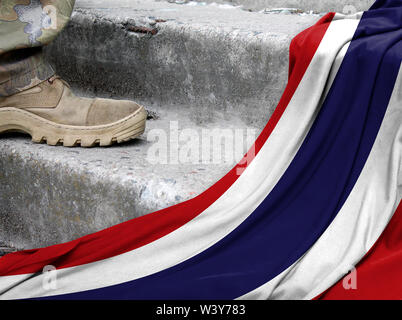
(105, 111)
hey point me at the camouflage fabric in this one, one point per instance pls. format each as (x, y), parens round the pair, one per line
(25, 27)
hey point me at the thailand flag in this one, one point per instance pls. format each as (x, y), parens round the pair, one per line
(316, 198)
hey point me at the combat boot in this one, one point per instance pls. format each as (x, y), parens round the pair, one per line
(51, 113)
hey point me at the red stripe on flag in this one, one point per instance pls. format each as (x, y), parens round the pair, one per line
(379, 275)
(140, 231)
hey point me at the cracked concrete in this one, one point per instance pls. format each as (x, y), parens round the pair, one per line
(50, 195)
(194, 69)
(205, 58)
(320, 6)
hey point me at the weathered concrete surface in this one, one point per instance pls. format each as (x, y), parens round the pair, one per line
(50, 195)
(342, 6)
(208, 58)
(5, 249)
(205, 67)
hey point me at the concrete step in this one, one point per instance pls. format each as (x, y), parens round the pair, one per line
(343, 6)
(195, 68)
(4, 249)
(206, 57)
(50, 195)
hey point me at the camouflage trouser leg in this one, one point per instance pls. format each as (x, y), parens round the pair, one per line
(26, 26)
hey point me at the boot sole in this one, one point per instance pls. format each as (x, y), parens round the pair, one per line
(42, 130)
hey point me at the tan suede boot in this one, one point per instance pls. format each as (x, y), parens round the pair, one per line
(51, 112)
